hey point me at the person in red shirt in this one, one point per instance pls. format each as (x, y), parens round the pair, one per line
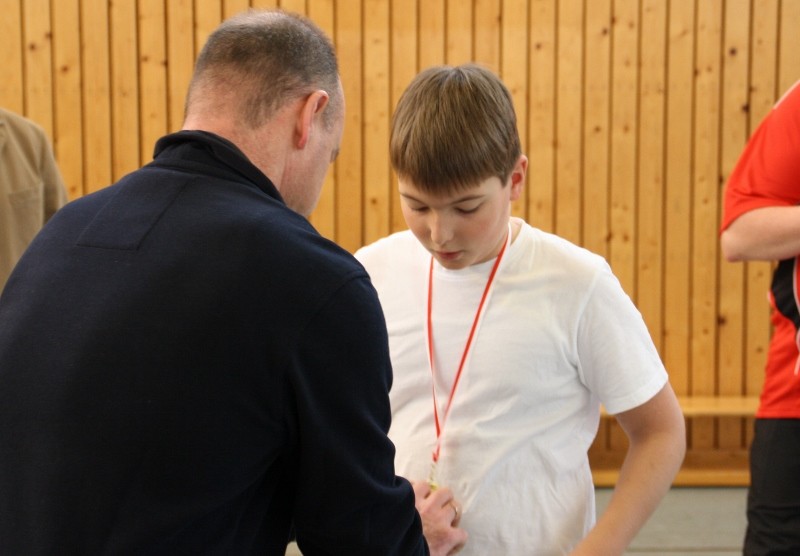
(761, 221)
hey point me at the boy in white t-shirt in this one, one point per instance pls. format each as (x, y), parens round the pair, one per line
(505, 340)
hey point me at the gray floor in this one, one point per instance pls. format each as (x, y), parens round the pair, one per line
(689, 522)
(692, 522)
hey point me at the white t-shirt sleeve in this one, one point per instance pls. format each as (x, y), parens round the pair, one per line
(617, 359)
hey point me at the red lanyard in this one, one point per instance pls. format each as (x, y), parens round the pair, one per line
(478, 314)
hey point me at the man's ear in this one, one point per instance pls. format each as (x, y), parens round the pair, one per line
(517, 177)
(312, 107)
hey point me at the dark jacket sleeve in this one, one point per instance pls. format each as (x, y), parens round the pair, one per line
(349, 500)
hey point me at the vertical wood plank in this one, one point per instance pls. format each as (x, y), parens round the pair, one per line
(788, 60)
(264, 4)
(486, 34)
(68, 133)
(704, 246)
(153, 97)
(349, 167)
(377, 177)
(596, 152)
(180, 58)
(296, 6)
(622, 191)
(596, 127)
(12, 79)
(321, 12)
(431, 33)
(207, 17)
(650, 195)
(569, 118)
(763, 94)
(403, 69)
(541, 115)
(731, 288)
(124, 88)
(38, 63)
(680, 106)
(624, 105)
(232, 7)
(459, 45)
(96, 63)
(514, 64)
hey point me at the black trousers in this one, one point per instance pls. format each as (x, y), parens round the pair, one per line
(773, 500)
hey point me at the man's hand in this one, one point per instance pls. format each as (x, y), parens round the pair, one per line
(440, 515)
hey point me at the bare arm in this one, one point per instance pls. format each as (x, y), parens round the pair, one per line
(657, 436)
(769, 234)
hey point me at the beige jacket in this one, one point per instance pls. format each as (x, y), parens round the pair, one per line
(31, 188)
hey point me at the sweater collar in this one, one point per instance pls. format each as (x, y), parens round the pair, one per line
(223, 151)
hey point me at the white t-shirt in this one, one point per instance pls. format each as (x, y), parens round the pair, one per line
(558, 337)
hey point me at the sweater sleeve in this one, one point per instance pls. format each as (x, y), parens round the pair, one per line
(349, 499)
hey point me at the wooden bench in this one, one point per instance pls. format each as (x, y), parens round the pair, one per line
(714, 406)
(710, 469)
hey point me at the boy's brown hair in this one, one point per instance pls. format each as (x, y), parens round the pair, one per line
(453, 128)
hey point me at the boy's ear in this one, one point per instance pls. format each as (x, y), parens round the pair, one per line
(517, 178)
(312, 107)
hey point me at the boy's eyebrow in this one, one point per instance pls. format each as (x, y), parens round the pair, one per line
(454, 202)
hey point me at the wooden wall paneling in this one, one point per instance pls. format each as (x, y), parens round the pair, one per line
(96, 108)
(12, 78)
(296, 6)
(596, 141)
(622, 186)
(731, 286)
(624, 106)
(704, 244)
(125, 128)
(486, 34)
(207, 17)
(264, 3)
(459, 45)
(377, 176)
(349, 166)
(404, 40)
(431, 33)
(680, 107)
(181, 55)
(541, 115)
(651, 128)
(68, 121)
(232, 7)
(514, 63)
(38, 84)
(635, 149)
(569, 119)
(789, 45)
(597, 127)
(153, 96)
(763, 94)
(322, 13)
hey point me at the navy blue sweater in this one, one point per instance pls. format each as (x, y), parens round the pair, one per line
(188, 367)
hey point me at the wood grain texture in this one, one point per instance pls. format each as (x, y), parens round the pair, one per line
(632, 114)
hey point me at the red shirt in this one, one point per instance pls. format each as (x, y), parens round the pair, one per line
(766, 175)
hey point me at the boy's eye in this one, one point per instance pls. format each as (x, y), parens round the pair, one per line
(468, 210)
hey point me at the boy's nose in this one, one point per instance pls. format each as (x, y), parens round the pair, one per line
(441, 230)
